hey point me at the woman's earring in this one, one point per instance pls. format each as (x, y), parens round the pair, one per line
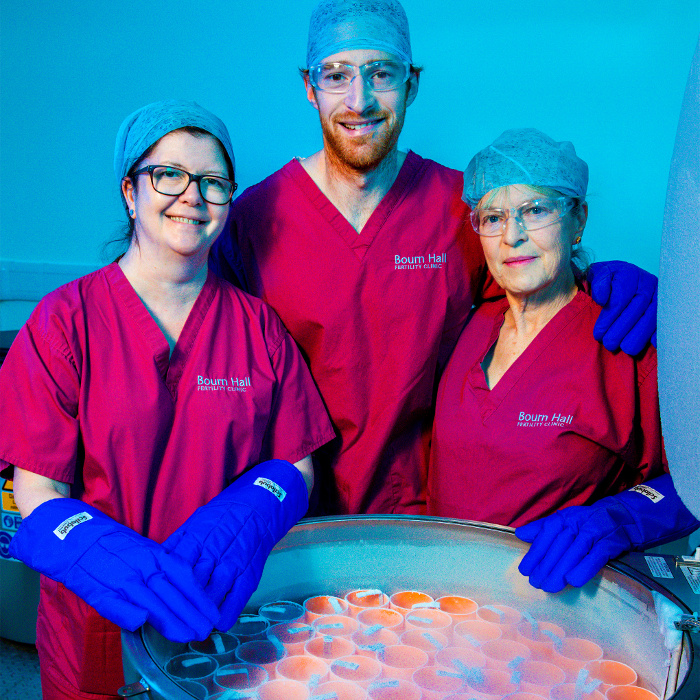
(131, 213)
(577, 240)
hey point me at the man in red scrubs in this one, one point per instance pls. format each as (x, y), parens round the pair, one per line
(373, 285)
(367, 255)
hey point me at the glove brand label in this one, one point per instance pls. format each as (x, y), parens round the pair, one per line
(275, 489)
(651, 494)
(69, 523)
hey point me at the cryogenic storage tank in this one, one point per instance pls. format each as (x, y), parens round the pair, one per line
(617, 610)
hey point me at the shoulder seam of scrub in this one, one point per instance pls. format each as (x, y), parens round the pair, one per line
(53, 343)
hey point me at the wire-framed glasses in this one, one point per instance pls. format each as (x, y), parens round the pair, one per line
(530, 216)
(169, 180)
(379, 76)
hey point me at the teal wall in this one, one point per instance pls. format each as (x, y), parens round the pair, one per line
(608, 76)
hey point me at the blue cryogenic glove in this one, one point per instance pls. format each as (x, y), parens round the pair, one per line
(627, 294)
(228, 540)
(127, 578)
(573, 544)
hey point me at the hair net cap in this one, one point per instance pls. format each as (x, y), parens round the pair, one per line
(525, 157)
(343, 25)
(141, 129)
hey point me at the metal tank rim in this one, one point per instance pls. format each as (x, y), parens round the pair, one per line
(134, 646)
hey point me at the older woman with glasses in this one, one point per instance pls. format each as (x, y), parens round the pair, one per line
(158, 422)
(534, 418)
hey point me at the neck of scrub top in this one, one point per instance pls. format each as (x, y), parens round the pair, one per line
(355, 193)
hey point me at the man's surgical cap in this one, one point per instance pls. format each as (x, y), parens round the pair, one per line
(525, 157)
(344, 25)
(141, 129)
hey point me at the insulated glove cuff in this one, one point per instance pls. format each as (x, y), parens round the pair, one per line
(127, 578)
(276, 489)
(56, 535)
(654, 513)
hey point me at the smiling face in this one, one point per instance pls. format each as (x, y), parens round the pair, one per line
(527, 263)
(361, 127)
(184, 225)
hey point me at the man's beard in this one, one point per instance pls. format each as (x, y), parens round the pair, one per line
(360, 154)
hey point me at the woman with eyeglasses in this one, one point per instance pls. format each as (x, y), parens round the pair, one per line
(533, 415)
(158, 421)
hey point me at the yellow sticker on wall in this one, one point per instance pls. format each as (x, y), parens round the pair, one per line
(8, 498)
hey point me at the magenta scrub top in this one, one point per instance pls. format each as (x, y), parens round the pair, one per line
(92, 397)
(375, 313)
(568, 423)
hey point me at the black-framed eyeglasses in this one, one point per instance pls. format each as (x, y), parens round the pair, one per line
(174, 181)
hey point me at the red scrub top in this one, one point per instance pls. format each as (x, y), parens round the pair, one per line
(568, 423)
(375, 313)
(92, 397)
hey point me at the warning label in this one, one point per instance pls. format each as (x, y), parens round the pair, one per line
(8, 498)
(658, 567)
(11, 518)
(692, 576)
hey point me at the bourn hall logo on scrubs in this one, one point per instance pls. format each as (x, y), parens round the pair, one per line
(432, 261)
(240, 384)
(543, 420)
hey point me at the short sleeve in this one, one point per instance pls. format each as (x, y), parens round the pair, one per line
(39, 392)
(299, 422)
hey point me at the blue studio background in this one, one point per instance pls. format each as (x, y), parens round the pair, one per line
(608, 76)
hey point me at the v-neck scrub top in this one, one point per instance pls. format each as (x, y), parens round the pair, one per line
(568, 423)
(375, 314)
(90, 395)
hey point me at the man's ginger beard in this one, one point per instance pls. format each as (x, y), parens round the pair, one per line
(365, 153)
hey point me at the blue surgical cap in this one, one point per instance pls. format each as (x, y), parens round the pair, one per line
(344, 25)
(525, 157)
(141, 129)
